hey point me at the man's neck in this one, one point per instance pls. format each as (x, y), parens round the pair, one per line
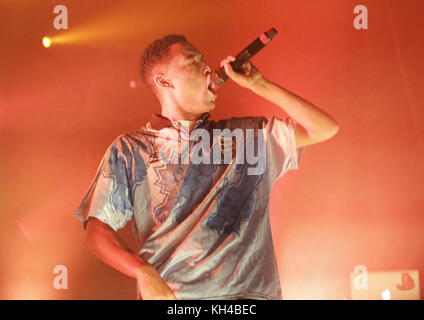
(181, 116)
(188, 121)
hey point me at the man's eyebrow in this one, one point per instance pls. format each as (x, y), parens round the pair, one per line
(193, 55)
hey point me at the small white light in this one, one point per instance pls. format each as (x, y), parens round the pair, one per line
(46, 42)
(386, 295)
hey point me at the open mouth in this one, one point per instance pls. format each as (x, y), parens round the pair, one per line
(211, 89)
(212, 93)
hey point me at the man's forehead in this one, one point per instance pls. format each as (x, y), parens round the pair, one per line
(181, 50)
(178, 52)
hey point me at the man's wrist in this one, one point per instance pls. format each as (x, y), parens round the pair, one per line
(259, 85)
(144, 268)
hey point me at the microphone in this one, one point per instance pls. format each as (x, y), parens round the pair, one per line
(219, 77)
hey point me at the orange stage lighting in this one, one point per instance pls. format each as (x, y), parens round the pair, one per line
(46, 42)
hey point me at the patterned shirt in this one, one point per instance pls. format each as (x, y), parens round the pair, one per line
(204, 226)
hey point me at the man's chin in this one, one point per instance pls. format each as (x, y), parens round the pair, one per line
(211, 105)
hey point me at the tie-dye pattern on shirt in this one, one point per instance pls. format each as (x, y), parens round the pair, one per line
(205, 227)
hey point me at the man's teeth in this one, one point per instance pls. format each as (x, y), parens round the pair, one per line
(212, 93)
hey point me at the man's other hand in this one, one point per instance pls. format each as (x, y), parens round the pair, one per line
(151, 286)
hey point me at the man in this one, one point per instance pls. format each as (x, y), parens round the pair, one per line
(203, 228)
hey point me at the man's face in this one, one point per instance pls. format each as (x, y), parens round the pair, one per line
(190, 76)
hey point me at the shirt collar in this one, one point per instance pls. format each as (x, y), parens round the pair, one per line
(159, 122)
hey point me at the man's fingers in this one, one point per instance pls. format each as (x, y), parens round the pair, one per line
(228, 69)
(228, 59)
(224, 62)
(246, 68)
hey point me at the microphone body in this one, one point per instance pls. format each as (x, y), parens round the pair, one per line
(246, 54)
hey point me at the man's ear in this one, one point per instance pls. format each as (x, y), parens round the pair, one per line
(162, 81)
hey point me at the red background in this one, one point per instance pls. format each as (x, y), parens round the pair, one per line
(357, 198)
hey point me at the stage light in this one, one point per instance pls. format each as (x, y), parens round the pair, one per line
(46, 42)
(386, 295)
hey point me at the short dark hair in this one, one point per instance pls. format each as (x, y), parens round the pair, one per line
(156, 53)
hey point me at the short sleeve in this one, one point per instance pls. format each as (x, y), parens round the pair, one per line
(282, 152)
(109, 197)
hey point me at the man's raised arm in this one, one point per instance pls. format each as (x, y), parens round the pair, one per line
(315, 124)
